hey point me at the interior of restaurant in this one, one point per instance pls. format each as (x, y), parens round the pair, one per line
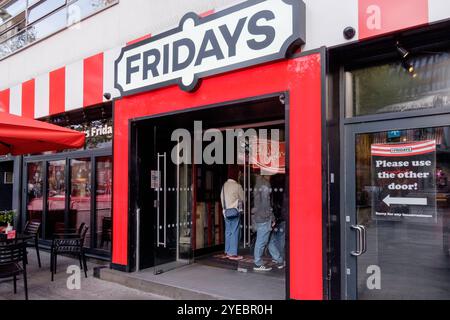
(181, 218)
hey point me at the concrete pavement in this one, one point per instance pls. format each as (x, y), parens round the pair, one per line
(41, 288)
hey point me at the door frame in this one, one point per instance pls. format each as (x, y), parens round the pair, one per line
(348, 184)
(135, 205)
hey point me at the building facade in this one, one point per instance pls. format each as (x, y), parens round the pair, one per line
(357, 92)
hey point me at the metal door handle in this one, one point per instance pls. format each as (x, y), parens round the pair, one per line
(364, 243)
(360, 243)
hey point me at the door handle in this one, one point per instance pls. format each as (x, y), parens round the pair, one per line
(360, 243)
(364, 243)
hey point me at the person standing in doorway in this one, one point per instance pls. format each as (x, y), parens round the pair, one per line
(265, 221)
(232, 197)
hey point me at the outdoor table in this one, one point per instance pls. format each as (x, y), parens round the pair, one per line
(19, 237)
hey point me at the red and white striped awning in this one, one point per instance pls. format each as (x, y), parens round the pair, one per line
(83, 83)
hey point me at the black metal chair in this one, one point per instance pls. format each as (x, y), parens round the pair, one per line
(106, 231)
(69, 244)
(12, 255)
(32, 228)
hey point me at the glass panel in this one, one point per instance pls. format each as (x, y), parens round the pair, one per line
(32, 2)
(13, 44)
(35, 189)
(84, 8)
(403, 200)
(172, 182)
(56, 198)
(99, 133)
(13, 26)
(392, 88)
(12, 9)
(48, 26)
(43, 8)
(80, 196)
(103, 203)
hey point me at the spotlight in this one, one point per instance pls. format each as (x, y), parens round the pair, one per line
(408, 67)
(107, 96)
(402, 51)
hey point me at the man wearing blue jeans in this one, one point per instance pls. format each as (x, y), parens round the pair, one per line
(265, 221)
(232, 196)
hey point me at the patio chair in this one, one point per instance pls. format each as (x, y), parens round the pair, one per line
(106, 231)
(13, 263)
(32, 228)
(69, 244)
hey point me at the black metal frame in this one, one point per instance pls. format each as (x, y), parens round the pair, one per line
(67, 157)
(369, 53)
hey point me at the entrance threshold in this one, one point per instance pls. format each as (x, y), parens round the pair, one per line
(201, 282)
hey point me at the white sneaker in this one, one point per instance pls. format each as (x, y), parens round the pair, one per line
(262, 268)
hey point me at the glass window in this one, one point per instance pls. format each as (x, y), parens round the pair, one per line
(56, 201)
(13, 44)
(421, 83)
(9, 29)
(32, 2)
(83, 8)
(35, 187)
(103, 185)
(44, 8)
(403, 200)
(99, 133)
(43, 19)
(11, 9)
(80, 195)
(47, 26)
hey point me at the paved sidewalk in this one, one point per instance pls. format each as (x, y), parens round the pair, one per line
(41, 288)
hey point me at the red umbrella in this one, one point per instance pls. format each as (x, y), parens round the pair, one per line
(20, 135)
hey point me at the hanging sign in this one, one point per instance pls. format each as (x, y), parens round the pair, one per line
(404, 177)
(250, 33)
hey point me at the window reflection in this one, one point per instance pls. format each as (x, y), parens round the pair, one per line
(391, 88)
(409, 245)
(44, 18)
(56, 197)
(80, 195)
(44, 8)
(103, 202)
(11, 9)
(35, 186)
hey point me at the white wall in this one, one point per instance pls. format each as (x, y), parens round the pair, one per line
(128, 20)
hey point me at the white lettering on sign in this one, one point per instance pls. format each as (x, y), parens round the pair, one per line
(374, 17)
(250, 33)
(105, 130)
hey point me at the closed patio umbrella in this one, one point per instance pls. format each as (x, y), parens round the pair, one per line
(19, 135)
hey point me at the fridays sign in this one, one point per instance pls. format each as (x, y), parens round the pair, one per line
(250, 33)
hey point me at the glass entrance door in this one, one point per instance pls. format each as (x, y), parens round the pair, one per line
(397, 209)
(173, 187)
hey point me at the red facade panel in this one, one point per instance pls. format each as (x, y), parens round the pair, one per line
(57, 91)
(301, 77)
(4, 100)
(28, 99)
(93, 80)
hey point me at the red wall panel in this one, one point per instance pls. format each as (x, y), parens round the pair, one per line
(301, 77)
(4, 100)
(57, 91)
(93, 80)
(28, 99)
